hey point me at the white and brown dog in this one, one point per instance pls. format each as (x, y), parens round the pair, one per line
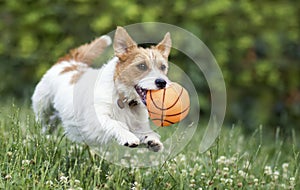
(97, 105)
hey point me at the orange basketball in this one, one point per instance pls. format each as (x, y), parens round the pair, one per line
(168, 106)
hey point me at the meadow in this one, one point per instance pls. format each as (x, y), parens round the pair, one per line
(30, 160)
(256, 45)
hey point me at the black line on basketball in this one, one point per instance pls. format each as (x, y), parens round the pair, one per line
(167, 115)
(164, 96)
(176, 100)
(170, 115)
(162, 105)
(153, 101)
(157, 119)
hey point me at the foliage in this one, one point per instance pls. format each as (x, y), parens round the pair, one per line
(31, 160)
(256, 44)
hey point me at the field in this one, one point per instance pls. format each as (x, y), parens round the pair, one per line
(30, 160)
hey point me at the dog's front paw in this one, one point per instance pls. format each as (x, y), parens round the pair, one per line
(132, 144)
(130, 140)
(154, 144)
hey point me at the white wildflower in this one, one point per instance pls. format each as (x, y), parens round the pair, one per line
(7, 177)
(46, 163)
(276, 175)
(292, 181)
(183, 172)
(192, 185)
(221, 160)
(63, 179)
(9, 154)
(251, 176)
(233, 159)
(49, 182)
(147, 173)
(247, 165)
(168, 185)
(225, 169)
(123, 182)
(242, 173)
(196, 166)
(285, 166)
(255, 181)
(240, 184)
(268, 170)
(183, 158)
(222, 180)
(135, 185)
(25, 162)
(229, 181)
(97, 169)
(108, 177)
(285, 170)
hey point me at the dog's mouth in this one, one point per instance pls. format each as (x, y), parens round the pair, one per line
(142, 92)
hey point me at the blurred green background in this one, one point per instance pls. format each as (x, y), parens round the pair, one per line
(256, 44)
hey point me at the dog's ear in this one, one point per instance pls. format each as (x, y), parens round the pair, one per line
(87, 53)
(165, 45)
(122, 42)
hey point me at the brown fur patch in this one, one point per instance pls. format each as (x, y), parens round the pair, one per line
(70, 68)
(76, 77)
(86, 53)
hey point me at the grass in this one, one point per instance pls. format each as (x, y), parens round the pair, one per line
(29, 160)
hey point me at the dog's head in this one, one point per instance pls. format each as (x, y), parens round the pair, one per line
(140, 69)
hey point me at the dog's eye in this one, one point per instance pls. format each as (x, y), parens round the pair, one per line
(142, 66)
(163, 67)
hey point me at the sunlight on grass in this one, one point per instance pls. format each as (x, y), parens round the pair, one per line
(31, 160)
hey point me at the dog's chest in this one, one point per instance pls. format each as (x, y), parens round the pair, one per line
(133, 116)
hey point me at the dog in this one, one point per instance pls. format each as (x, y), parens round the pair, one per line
(96, 106)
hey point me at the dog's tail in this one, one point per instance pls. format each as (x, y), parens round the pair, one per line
(87, 53)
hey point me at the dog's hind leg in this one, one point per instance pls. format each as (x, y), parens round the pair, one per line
(52, 123)
(43, 108)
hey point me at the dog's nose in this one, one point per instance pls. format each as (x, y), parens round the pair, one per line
(160, 83)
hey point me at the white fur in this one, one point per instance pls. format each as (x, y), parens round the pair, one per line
(88, 109)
